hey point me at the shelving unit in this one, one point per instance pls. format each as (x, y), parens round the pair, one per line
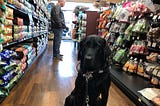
(87, 25)
(128, 37)
(130, 84)
(32, 31)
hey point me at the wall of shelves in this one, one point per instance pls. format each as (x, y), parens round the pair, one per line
(135, 48)
(26, 24)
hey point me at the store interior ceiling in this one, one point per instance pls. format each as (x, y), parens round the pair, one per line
(70, 6)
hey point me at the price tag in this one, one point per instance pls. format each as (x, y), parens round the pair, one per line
(159, 17)
(151, 15)
(138, 38)
(149, 43)
(140, 16)
(139, 100)
(30, 18)
(34, 1)
(155, 16)
(154, 44)
(132, 38)
(1, 48)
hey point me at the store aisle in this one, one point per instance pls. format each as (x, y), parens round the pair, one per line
(48, 82)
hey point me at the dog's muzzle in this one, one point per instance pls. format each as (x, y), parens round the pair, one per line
(89, 55)
(89, 62)
(88, 58)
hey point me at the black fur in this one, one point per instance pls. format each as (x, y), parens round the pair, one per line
(93, 53)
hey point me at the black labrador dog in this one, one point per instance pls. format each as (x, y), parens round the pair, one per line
(93, 80)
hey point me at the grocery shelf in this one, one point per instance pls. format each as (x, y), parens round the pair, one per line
(23, 40)
(130, 84)
(15, 8)
(37, 28)
(24, 12)
(27, 68)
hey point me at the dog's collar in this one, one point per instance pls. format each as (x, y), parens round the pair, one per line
(91, 74)
(96, 71)
(100, 70)
(88, 75)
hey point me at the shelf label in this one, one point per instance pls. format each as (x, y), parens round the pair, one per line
(154, 44)
(34, 1)
(149, 43)
(155, 16)
(30, 19)
(139, 100)
(1, 48)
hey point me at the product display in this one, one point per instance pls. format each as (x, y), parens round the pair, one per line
(85, 23)
(133, 36)
(21, 22)
(9, 13)
(10, 70)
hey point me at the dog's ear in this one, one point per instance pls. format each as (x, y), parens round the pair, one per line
(80, 49)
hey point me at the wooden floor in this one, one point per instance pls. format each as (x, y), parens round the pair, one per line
(48, 82)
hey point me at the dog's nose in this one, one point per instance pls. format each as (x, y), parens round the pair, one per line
(88, 57)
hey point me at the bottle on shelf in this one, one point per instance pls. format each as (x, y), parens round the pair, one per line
(126, 66)
(140, 70)
(133, 66)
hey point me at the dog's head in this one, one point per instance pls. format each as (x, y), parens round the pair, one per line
(93, 52)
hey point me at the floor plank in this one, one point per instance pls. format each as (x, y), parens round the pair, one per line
(48, 82)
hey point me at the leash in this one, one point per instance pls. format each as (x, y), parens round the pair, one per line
(78, 66)
(87, 76)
